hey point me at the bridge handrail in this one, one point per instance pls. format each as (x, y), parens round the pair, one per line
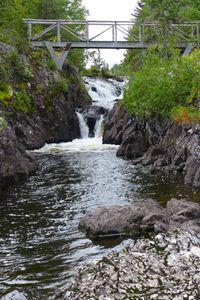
(117, 28)
(76, 22)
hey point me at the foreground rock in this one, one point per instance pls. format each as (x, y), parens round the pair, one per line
(158, 143)
(141, 217)
(165, 268)
(15, 295)
(14, 160)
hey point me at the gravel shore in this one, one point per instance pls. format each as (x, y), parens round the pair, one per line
(166, 266)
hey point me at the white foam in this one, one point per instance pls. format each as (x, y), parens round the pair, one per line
(78, 145)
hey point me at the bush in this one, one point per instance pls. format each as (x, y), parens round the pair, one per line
(51, 64)
(23, 102)
(162, 84)
(19, 69)
(6, 93)
(3, 123)
(60, 86)
(185, 115)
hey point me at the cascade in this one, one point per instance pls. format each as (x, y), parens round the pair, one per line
(99, 127)
(84, 130)
(104, 94)
(92, 119)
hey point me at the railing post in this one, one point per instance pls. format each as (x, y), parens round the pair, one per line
(87, 32)
(29, 31)
(58, 32)
(115, 32)
(141, 33)
(198, 35)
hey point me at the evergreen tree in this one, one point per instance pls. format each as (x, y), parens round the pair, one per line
(14, 32)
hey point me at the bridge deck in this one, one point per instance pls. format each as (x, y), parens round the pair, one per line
(103, 45)
(108, 34)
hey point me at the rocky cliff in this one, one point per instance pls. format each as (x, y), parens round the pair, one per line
(37, 106)
(159, 143)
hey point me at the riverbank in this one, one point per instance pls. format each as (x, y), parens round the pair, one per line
(161, 263)
(163, 267)
(158, 143)
(37, 106)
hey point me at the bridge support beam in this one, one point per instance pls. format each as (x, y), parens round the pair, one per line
(59, 60)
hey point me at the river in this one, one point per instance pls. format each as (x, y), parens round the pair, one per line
(41, 246)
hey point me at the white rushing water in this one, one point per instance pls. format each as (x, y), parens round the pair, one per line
(103, 93)
(84, 130)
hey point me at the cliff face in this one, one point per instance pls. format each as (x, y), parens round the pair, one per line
(158, 142)
(37, 106)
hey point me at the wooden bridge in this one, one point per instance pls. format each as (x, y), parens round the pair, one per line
(66, 34)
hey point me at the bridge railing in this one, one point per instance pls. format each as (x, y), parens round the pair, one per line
(79, 30)
(85, 33)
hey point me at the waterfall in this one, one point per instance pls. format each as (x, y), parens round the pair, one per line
(99, 127)
(84, 130)
(104, 94)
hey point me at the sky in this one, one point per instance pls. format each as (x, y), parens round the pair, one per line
(110, 10)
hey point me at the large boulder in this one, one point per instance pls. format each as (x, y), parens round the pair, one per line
(182, 214)
(123, 220)
(115, 124)
(14, 160)
(140, 217)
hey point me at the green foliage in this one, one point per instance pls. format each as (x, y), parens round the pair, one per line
(13, 30)
(185, 115)
(51, 64)
(118, 70)
(60, 86)
(17, 68)
(163, 12)
(3, 71)
(6, 93)
(162, 84)
(23, 102)
(93, 71)
(3, 123)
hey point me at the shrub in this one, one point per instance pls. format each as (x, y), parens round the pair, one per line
(3, 123)
(185, 115)
(6, 93)
(162, 84)
(60, 86)
(51, 64)
(23, 102)
(19, 69)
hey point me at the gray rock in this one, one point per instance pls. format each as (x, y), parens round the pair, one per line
(165, 267)
(91, 114)
(183, 214)
(52, 119)
(157, 142)
(128, 219)
(140, 217)
(15, 295)
(115, 124)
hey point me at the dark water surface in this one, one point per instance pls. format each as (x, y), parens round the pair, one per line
(40, 245)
